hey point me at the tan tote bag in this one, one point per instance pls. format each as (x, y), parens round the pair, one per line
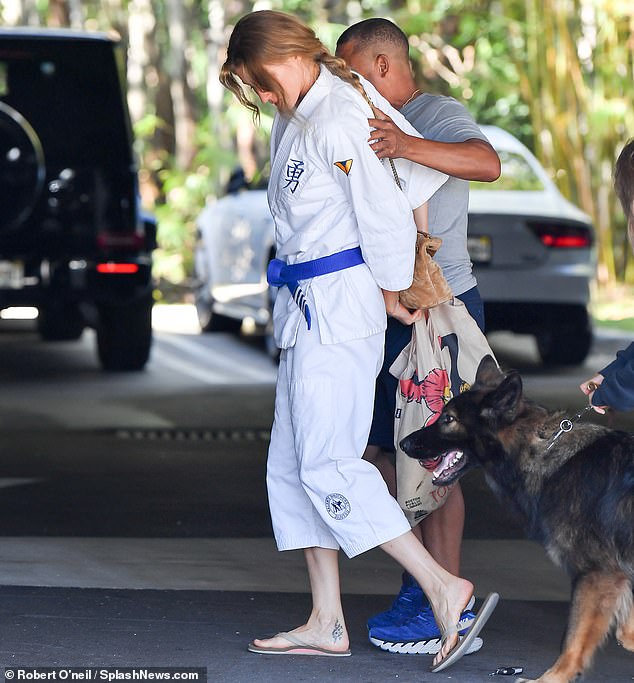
(439, 363)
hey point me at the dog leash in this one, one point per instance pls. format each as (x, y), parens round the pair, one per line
(567, 424)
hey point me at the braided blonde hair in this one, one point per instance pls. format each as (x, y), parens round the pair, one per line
(624, 185)
(270, 37)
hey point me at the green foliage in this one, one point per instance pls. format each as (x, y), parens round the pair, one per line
(472, 40)
(184, 194)
(558, 75)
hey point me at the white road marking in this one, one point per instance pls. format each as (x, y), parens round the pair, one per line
(9, 482)
(223, 362)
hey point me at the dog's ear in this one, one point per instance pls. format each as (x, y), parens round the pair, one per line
(502, 404)
(488, 373)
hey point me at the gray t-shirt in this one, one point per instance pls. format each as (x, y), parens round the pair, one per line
(444, 119)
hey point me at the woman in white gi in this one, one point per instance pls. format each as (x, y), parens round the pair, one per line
(345, 240)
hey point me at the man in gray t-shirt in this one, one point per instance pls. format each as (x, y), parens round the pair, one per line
(454, 144)
(444, 119)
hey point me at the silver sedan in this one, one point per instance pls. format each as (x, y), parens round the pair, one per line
(532, 252)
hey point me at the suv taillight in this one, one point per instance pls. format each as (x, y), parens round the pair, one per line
(117, 268)
(562, 235)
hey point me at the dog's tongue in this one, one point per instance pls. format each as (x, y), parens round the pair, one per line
(448, 464)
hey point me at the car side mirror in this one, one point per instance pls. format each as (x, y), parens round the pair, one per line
(237, 181)
(150, 228)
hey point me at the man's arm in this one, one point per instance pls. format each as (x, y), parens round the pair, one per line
(472, 159)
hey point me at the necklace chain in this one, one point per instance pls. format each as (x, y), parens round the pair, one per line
(411, 97)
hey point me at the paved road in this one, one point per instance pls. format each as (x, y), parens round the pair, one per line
(134, 528)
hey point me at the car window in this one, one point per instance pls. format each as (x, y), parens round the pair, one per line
(517, 175)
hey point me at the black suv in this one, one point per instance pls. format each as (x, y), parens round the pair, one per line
(73, 240)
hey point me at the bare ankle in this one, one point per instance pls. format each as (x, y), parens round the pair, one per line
(328, 628)
(338, 632)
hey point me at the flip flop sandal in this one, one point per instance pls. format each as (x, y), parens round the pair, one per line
(298, 647)
(463, 645)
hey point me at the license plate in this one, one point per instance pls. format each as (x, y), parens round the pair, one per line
(479, 247)
(11, 274)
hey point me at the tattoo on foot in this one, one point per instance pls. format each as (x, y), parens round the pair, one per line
(337, 632)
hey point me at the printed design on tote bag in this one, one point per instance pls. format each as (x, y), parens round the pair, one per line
(439, 386)
(457, 384)
(434, 389)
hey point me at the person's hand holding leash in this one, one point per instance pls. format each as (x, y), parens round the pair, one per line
(589, 386)
(387, 139)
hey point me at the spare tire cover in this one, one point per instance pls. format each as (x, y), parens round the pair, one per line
(22, 168)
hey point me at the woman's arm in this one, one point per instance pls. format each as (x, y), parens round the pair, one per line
(617, 386)
(393, 307)
(421, 218)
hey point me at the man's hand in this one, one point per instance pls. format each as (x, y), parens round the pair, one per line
(387, 139)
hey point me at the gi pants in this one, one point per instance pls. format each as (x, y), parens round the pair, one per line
(321, 492)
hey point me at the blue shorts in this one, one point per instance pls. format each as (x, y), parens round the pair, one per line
(397, 337)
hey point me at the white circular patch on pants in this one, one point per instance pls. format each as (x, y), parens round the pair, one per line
(337, 505)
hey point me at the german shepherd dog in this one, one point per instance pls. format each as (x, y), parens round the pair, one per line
(573, 490)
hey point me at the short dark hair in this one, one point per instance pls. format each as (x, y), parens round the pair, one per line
(375, 31)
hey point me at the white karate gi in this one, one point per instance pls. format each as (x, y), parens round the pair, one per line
(329, 192)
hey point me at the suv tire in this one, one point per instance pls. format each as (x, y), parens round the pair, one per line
(208, 319)
(124, 335)
(60, 322)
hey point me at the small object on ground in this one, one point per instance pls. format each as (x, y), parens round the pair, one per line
(507, 671)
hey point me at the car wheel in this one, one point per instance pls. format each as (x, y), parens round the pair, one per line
(60, 322)
(124, 335)
(208, 319)
(271, 348)
(564, 347)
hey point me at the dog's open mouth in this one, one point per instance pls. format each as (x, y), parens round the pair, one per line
(452, 462)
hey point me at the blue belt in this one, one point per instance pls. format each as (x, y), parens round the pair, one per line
(279, 273)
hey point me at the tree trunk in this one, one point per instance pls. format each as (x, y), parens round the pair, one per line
(141, 25)
(29, 15)
(184, 124)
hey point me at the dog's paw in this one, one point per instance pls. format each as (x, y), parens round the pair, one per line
(525, 680)
(625, 637)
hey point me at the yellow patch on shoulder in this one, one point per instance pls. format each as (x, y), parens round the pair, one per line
(344, 166)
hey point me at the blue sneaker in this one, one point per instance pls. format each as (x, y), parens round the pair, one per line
(420, 635)
(408, 604)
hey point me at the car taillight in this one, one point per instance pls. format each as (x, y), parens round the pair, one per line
(562, 236)
(122, 241)
(117, 268)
